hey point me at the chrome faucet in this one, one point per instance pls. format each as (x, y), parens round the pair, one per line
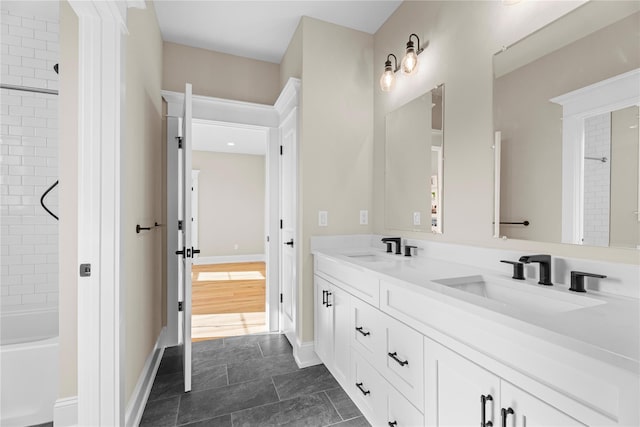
(391, 240)
(545, 267)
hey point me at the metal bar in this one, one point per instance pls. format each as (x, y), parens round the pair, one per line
(525, 223)
(600, 159)
(29, 89)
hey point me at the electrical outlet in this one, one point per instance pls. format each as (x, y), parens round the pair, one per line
(416, 218)
(364, 217)
(323, 218)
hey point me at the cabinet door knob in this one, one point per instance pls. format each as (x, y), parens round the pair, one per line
(359, 329)
(365, 392)
(483, 410)
(394, 356)
(504, 414)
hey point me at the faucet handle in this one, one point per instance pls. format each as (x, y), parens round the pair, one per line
(518, 269)
(407, 249)
(577, 280)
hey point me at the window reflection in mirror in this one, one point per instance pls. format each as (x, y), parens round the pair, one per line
(547, 178)
(414, 144)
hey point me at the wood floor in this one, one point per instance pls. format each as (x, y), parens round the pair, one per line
(228, 300)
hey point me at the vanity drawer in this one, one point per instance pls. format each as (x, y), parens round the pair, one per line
(403, 363)
(367, 329)
(359, 282)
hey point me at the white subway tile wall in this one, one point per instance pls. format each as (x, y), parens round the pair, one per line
(28, 161)
(597, 180)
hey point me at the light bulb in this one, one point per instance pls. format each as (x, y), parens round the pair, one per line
(388, 80)
(410, 61)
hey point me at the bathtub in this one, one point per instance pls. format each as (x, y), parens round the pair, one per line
(28, 366)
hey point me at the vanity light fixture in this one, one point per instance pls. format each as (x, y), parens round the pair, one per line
(388, 79)
(410, 60)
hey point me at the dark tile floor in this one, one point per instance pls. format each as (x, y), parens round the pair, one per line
(247, 381)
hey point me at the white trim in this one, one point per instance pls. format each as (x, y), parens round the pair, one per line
(229, 259)
(195, 175)
(608, 95)
(101, 24)
(65, 412)
(140, 395)
(304, 353)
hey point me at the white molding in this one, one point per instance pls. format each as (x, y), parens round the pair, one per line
(288, 99)
(140, 395)
(304, 353)
(65, 412)
(608, 95)
(195, 182)
(229, 259)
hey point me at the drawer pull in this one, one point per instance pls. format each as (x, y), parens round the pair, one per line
(505, 413)
(392, 423)
(324, 297)
(394, 356)
(483, 410)
(365, 392)
(328, 303)
(359, 329)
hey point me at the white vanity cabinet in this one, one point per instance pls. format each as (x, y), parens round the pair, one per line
(460, 392)
(331, 314)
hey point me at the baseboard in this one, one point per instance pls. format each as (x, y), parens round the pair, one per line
(140, 394)
(304, 353)
(65, 412)
(228, 259)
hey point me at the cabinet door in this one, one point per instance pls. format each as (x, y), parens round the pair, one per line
(323, 327)
(454, 389)
(340, 306)
(529, 411)
(367, 329)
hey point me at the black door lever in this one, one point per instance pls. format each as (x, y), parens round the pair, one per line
(289, 243)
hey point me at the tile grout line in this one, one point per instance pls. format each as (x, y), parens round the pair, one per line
(275, 388)
(334, 406)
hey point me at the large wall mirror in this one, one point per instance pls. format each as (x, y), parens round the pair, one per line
(414, 164)
(566, 109)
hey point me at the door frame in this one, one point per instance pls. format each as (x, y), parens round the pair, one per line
(100, 299)
(249, 114)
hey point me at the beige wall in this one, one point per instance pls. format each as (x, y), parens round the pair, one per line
(142, 266)
(231, 203)
(219, 75)
(68, 201)
(463, 36)
(531, 125)
(291, 64)
(336, 140)
(624, 226)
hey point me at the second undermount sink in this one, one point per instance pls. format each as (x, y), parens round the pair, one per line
(518, 296)
(372, 257)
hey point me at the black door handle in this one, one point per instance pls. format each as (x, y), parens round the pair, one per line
(365, 392)
(483, 410)
(289, 243)
(328, 304)
(182, 252)
(195, 251)
(324, 297)
(392, 423)
(359, 329)
(505, 413)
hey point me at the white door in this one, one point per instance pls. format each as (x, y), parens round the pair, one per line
(288, 238)
(458, 392)
(186, 236)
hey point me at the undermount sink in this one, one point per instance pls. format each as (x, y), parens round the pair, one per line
(518, 296)
(370, 257)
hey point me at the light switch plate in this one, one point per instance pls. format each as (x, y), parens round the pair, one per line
(323, 218)
(364, 217)
(416, 218)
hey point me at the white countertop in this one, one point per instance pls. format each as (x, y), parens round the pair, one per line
(608, 331)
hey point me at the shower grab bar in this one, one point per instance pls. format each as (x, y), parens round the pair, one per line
(45, 195)
(600, 159)
(29, 89)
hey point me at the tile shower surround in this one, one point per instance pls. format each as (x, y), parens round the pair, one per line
(29, 162)
(247, 381)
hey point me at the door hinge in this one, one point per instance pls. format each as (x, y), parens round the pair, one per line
(267, 238)
(180, 306)
(85, 270)
(280, 224)
(280, 298)
(179, 138)
(180, 225)
(281, 150)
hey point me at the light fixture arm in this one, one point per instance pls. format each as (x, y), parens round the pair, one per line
(419, 49)
(387, 63)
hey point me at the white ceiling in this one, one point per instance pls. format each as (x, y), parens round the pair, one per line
(212, 136)
(260, 29)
